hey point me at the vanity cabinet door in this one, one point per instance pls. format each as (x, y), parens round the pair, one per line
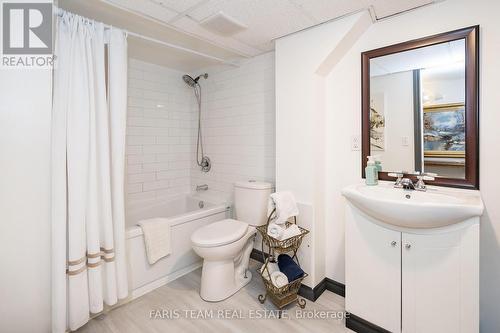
(440, 282)
(373, 271)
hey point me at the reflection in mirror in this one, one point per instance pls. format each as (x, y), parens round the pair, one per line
(417, 109)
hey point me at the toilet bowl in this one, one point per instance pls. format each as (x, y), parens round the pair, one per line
(226, 245)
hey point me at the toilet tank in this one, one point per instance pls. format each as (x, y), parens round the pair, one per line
(250, 201)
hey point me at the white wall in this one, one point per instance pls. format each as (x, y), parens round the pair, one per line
(25, 113)
(399, 118)
(343, 101)
(301, 130)
(159, 133)
(238, 122)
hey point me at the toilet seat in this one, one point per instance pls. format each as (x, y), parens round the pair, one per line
(219, 233)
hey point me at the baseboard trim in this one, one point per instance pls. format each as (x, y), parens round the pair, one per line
(335, 287)
(307, 292)
(312, 294)
(360, 325)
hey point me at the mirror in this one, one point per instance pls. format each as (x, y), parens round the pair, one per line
(420, 106)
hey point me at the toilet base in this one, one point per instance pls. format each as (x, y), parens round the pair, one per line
(225, 267)
(222, 278)
(216, 288)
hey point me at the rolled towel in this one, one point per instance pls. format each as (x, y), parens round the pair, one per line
(271, 268)
(285, 205)
(292, 230)
(289, 267)
(275, 231)
(279, 279)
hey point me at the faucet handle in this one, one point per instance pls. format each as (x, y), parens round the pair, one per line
(203, 187)
(396, 174)
(420, 185)
(424, 175)
(431, 174)
(399, 175)
(427, 176)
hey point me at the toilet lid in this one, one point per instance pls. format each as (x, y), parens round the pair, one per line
(219, 233)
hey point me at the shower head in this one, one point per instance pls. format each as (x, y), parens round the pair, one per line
(192, 82)
(189, 80)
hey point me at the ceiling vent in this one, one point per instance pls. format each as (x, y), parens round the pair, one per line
(222, 24)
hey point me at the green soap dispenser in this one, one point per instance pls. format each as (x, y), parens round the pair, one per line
(378, 163)
(371, 172)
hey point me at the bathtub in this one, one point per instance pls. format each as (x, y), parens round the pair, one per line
(186, 213)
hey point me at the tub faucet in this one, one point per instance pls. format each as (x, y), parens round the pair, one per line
(203, 187)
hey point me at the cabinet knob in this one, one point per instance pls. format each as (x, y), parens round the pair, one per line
(408, 246)
(394, 243)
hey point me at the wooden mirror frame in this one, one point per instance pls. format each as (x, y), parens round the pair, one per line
(471, 36)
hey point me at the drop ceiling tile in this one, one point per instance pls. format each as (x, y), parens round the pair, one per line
(178, 5)
(324, 10)
(266, 20)
(147, 8)
(384, 8)
(191, 26)
(209, 8)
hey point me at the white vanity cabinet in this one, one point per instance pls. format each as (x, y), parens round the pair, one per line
(373, 272)
(440, 280)
(413, 280)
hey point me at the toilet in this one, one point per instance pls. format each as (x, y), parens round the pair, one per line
(225, 246)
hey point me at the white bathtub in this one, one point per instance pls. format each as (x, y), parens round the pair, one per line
(186, 216)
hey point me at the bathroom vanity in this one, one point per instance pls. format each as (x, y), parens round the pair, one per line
(412, 258)
(412, 250)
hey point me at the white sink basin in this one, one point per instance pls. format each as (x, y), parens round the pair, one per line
(438, 207)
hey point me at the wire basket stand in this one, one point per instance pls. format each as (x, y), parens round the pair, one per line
(287, 294)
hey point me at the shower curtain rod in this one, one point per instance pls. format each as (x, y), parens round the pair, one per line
(60, 12)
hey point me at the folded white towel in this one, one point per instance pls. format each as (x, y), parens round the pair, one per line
(292, 230)
(285, 205)
(274, 230)
(157, 239)
(271, 268)
(279, 279)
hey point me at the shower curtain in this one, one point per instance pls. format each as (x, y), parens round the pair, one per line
(88, 155)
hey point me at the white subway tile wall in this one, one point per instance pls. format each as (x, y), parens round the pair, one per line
(238, 125)
(159, 133)
(238, 129)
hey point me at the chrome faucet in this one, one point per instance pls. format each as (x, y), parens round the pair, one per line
(421, 176)
(408, 184)
(399, 175)
(203, 187)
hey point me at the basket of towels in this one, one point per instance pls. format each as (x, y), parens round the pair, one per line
(281, 234)
(283, 238)
(282, 280)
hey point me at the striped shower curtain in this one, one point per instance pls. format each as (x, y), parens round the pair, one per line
(88, 155)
